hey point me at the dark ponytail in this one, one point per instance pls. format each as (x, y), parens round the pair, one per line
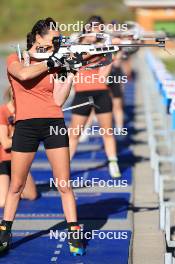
(41, 28)
(30, 40)
(91, 20)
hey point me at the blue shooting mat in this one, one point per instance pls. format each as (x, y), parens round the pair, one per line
(90, 206)
(103, 174)
(36, 248)
(41, 155)
(124, 155)
(44, 176)
(41, 176)
(97, 155)
(100, 154)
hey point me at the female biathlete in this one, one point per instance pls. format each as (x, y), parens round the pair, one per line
(116, 84)
(100, 93)
(36, 112)
(117, 88)
(7, 112)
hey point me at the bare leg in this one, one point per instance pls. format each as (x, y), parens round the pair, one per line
(21, 163)
(88, 124)
(90, 119)
(4, 186)
(29, 191)
(118, 112)
(77, 121)
(60, 162)
(127, 67)
(105, 121)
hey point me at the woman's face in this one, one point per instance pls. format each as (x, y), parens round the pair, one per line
(94, 29)
(46, 40)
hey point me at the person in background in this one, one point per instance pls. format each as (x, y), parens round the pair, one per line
(101, 95)
(116, 85)
(7, 112)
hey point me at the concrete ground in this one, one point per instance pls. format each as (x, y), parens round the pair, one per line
(148, 240)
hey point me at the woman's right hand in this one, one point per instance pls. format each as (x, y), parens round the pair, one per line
(53, 62)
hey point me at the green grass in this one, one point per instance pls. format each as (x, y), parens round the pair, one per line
(170, 65)
(18, 16)
(4, 53)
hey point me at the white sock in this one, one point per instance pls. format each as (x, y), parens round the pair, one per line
(113, 158)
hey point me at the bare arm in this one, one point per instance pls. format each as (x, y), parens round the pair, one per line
(105, 70)
(24, 73)
(5, 140)
(117, 59)
(62, 89)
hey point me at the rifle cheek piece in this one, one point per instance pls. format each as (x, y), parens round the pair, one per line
(57, 42)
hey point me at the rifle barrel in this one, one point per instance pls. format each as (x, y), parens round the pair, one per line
(160, 45)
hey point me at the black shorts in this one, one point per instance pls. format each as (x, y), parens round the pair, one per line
(116, 91)
(116, 87)
(101, 98)
(5, 168)
(30, 132)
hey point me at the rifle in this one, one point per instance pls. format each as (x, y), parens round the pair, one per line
(71, 54)
(64, 49)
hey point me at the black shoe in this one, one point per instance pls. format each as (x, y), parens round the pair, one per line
(75, 241)
(5, 238)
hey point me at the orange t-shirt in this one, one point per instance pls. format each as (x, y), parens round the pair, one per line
(5, 115)
(89, 80)
(33, 98)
